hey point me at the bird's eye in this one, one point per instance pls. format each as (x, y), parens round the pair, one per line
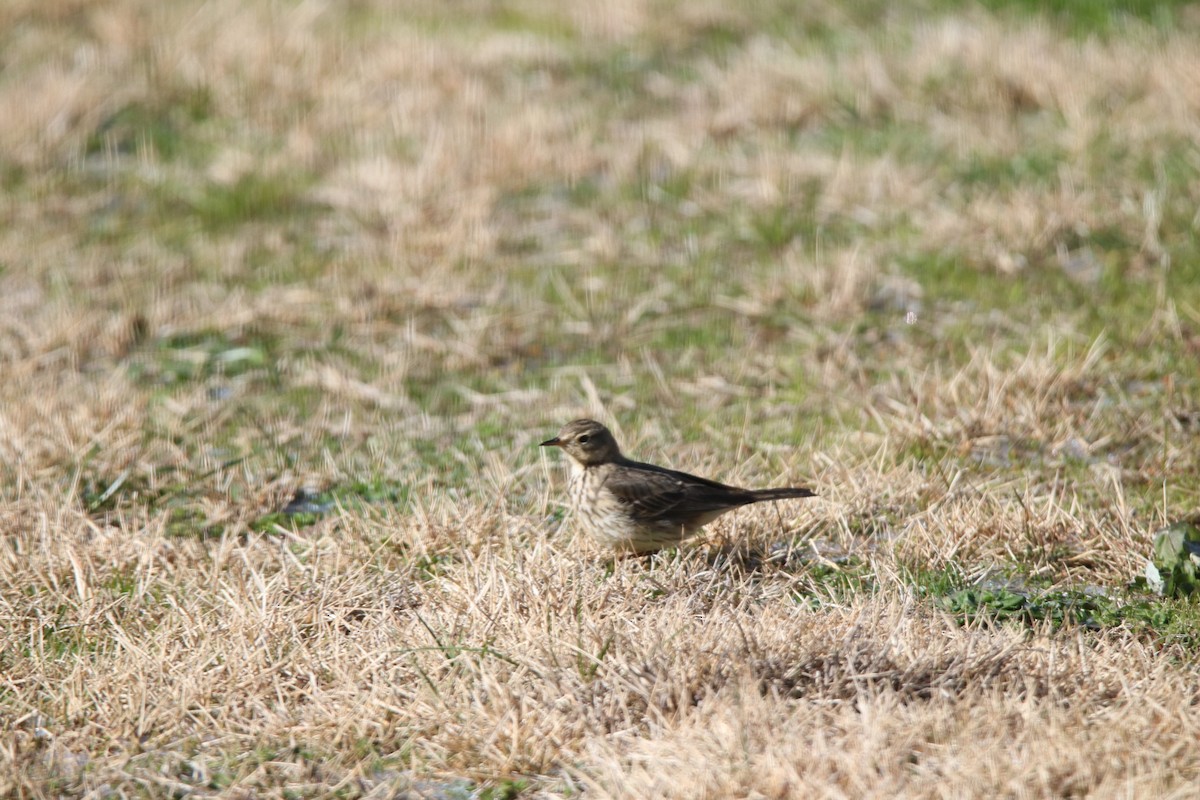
(584, 439)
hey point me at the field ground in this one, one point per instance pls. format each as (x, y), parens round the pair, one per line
(289, 291)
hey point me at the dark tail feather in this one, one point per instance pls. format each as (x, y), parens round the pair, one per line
(781, 494)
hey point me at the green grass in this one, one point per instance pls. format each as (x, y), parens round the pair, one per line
(163, 130)
(1092, 17)
(307, 508)
(1017, 600)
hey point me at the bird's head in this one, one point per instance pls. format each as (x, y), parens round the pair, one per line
(586, 441)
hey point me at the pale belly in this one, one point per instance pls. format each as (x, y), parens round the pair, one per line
(605, 522)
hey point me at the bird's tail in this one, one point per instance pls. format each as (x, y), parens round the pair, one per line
(781, 494)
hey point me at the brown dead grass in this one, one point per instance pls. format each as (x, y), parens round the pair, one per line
(682, 678)
(437, 303)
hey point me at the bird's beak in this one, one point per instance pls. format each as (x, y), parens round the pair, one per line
(555, 442)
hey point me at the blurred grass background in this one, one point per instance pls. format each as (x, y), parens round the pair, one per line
(939, 259)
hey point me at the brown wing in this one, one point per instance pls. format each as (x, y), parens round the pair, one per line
(654, 493)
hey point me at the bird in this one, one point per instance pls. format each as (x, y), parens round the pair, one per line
(637, 508)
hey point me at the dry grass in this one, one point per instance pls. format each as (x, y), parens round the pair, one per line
(942, 266)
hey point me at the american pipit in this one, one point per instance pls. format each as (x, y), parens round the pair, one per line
(633, 507)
